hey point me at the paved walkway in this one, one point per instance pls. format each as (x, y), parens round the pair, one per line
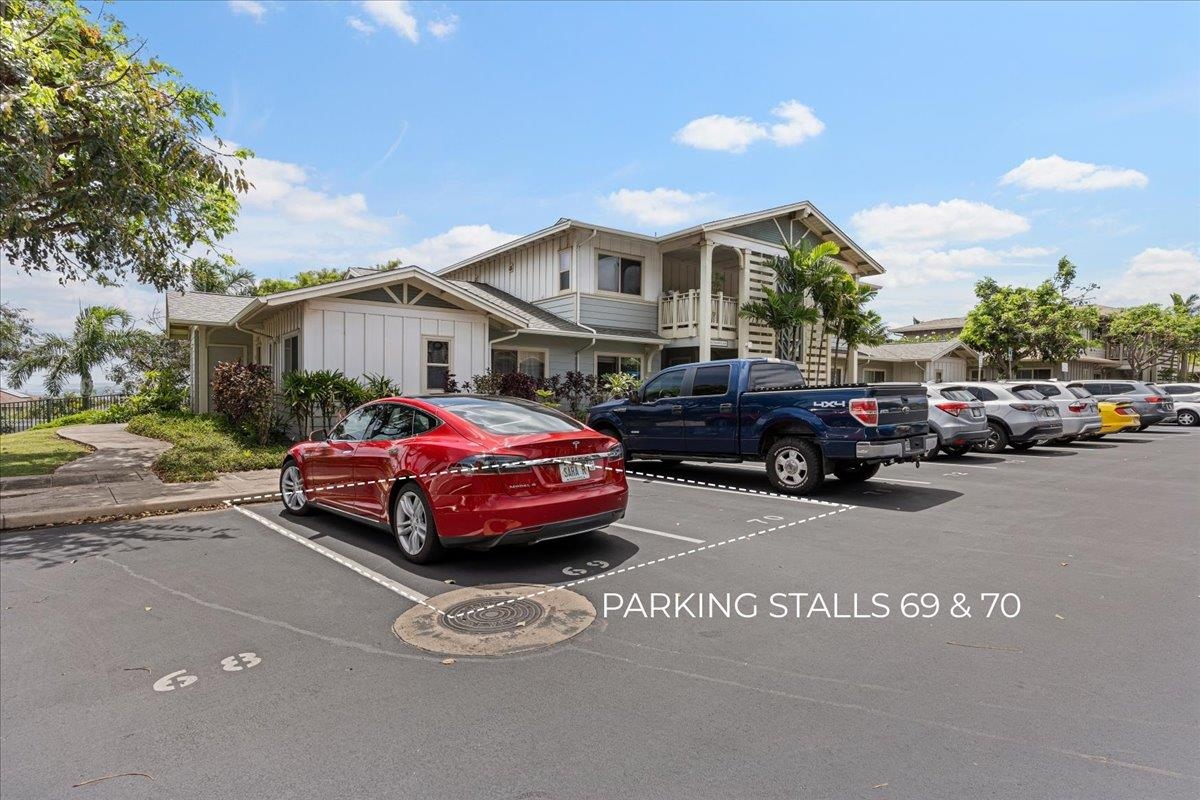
(115, 480)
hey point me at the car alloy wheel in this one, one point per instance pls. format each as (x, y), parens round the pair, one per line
(794, 466)
(997, 439)
(1187, 418)
(412, 523)
(291, 488)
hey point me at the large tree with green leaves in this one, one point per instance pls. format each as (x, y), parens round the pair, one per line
(220, 276)
(1142, 333)
(1047, 322)
(111, 164)
(302, 280)
(16, 332)
(102, 334)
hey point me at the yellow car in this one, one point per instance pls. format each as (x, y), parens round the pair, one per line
(1116, 416)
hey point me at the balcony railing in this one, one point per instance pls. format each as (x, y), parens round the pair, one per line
(678, 313)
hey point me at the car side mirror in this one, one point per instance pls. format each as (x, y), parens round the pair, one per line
(318, 435)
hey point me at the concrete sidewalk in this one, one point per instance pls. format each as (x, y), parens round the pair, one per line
(115, 480)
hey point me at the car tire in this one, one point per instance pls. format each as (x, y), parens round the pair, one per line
(1023, 446)
(794, 465)
(291, 490)
(1143, 426)
(956, 450)
(1188, 417)
(856, 472)
(1100, 435)
(412, 524)
(997, 439)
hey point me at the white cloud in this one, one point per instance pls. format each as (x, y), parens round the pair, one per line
(735, 134)
(660, 206)
(1152, 275)
(1058, 174)
(799, 123)
(908, 266)
(282, 187)
(949, 221)
(449, 247)
(249, 8)
(443, 28)
(396, 15)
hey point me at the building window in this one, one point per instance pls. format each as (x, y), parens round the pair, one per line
(527, 362)
(608, 365)
(874, 375)
(436, 364)
(937, 376)
(1041, 373)
(619, 274)
(291, 354)
(564, 270)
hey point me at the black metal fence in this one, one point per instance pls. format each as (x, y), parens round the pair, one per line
(27, 413)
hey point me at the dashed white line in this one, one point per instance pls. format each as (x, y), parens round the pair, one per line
(656, 533)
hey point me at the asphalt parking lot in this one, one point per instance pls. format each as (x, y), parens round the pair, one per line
(217, 655)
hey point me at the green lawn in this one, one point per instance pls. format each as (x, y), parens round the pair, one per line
(36, 452)
(204, 446)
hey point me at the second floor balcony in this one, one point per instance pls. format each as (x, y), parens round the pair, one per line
(679, 315)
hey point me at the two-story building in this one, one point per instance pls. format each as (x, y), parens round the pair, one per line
(573, 296)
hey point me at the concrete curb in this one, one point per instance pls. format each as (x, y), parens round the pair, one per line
(158, 505)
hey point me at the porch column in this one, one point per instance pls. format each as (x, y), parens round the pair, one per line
(704, 310)
(851, 365)
(743, 324)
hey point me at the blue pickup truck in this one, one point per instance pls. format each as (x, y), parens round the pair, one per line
(759, 409)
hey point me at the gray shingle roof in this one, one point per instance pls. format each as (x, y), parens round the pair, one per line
(941, 324)
(910, 351)
(537, 318)
(204, 308)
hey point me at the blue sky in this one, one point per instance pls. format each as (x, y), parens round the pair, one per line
(432, 130)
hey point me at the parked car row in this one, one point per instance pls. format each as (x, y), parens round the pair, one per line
(993, 415)
(461, 470)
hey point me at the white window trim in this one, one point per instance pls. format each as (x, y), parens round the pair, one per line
(640, 357)
(570, 270)
(608, 292)
(449, 340)
(545, 351)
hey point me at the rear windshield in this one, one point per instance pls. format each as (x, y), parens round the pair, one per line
(767, 375)
(504, 416)
(958, 394)
(1029, 394)
(1079, 391)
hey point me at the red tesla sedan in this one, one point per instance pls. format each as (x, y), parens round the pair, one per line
(459, 470)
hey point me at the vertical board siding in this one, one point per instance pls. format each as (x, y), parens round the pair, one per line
(534, 273)
(357, 338)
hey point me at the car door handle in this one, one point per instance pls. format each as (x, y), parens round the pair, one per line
(725, 408)
(676, 409)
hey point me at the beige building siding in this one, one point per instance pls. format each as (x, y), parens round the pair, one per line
(530, 273)
(359, 338)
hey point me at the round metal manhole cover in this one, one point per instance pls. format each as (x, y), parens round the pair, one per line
(495, 620)
(485, 615)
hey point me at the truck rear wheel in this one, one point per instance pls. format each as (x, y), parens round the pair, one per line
(855, 472)
(794, 465)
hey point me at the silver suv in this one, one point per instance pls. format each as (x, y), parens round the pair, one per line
(958, 419)
(1150, 402)
(1021, 418)
(1078, 409)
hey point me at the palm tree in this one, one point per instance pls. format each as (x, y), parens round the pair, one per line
(803, 281)
(101, 334)
(218, 278)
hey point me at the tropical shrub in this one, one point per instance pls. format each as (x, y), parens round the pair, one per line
(620, 385)
(244, 394)
(377, 386)
(579, 391)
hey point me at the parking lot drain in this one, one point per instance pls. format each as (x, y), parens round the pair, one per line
(482, 615)
(495, 620)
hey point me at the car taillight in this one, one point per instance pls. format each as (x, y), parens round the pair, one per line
(1154, 399)
(1077, 407)
(615, 453)
(865, 410)
(953, 407)
(493, 463)
(1126, 411)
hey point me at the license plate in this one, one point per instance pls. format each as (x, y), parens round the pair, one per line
(976, 413)
(573, 471)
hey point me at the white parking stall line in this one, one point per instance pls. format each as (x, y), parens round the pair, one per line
(406, 592)
(957, 464)
(656, 533)
(692, 484)
(900, 480)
